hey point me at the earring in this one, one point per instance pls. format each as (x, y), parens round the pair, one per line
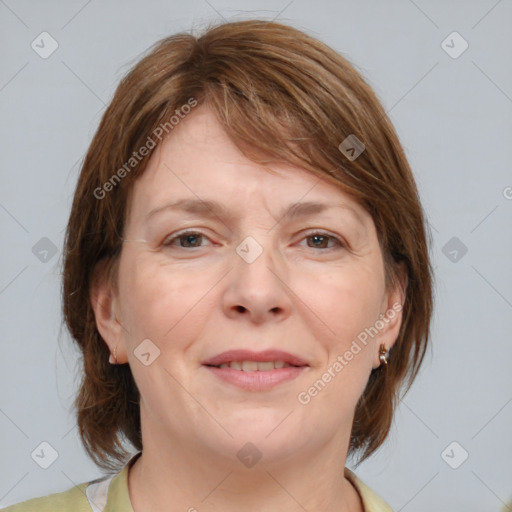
(113, 358)
(383, 354)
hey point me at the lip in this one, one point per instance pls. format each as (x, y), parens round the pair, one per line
(256, 380)
(248, 355)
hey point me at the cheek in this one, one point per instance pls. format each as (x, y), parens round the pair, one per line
(346, 301)
(155, 301)
(163, 306)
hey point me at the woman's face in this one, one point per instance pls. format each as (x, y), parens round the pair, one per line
(233, 271)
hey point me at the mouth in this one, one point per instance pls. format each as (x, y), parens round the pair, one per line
(255, 366)
(248, 361)
(255, 371)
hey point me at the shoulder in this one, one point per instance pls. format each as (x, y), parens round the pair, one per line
(105, 494)
(72, 500)
(372, 501)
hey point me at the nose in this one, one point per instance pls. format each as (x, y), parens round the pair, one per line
(258, 286)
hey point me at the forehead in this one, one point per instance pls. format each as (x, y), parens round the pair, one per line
(199, 169)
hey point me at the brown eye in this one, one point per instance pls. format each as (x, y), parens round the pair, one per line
(320, 240)
(187, 239)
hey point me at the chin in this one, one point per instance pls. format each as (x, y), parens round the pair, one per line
(270, 433)
(260, 450)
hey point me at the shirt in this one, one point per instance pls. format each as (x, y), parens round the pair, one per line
(110, 494)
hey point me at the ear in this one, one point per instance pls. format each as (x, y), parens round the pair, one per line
(390, 318)
(105, 305)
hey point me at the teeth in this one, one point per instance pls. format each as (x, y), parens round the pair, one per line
(249, 366)
(264, 367)
(252, 366)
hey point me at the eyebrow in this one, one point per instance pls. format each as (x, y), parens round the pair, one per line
(210, 209)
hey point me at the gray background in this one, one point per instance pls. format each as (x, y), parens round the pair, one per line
(454, 119)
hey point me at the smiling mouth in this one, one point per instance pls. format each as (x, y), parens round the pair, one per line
(255, 371)
(253, 366)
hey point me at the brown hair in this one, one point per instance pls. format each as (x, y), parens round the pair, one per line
(280, 94)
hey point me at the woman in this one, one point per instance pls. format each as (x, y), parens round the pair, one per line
(246, 273)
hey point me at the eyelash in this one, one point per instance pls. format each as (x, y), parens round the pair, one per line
(169, 241)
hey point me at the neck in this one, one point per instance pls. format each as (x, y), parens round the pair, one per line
(187, 477)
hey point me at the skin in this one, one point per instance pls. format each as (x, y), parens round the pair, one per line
(197, 297)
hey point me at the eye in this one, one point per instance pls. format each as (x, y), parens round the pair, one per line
(320, 239)
(186, 239)
(192, 239)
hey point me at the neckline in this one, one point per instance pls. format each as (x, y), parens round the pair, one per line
(354, 482)
(119, 493)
